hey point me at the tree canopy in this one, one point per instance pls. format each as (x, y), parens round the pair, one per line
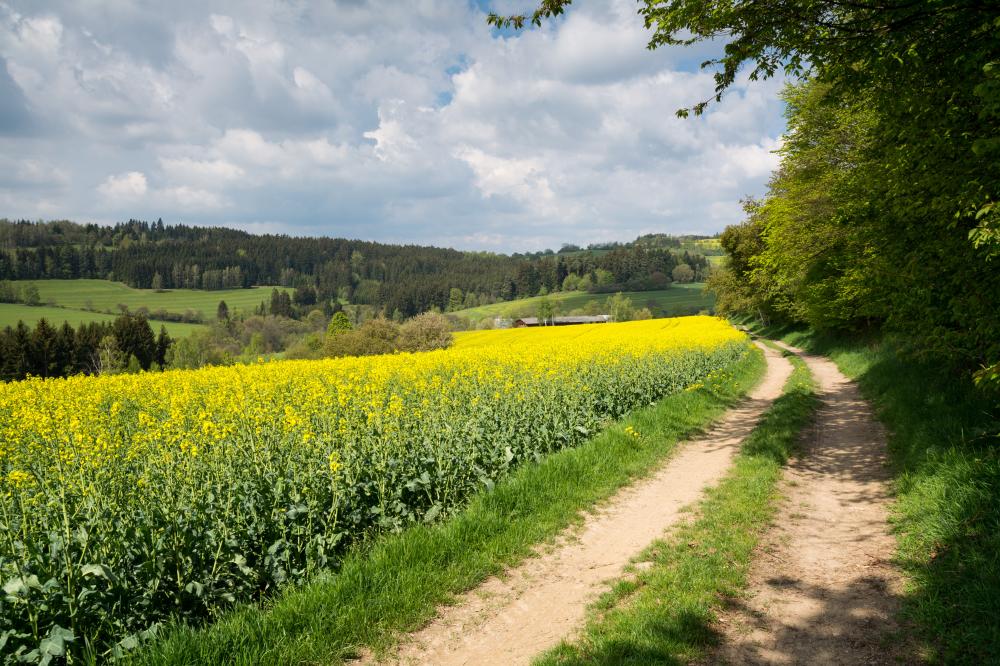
(884, 209)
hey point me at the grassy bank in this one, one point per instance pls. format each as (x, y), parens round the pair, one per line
(395, 583)
(663, 614)
(946, 456)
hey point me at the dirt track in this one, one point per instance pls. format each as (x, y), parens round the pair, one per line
(511, 620)
(823, 590)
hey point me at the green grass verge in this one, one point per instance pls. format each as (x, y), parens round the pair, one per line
(395, 584)
(664, 613)
(946, 456)
(104, 295)
(680, 299)
(11, 313)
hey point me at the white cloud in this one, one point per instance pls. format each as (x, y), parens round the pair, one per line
(522, 179)
(188, 170)
(190, 198)
(43, 33)
(124, 188)
(409, 122)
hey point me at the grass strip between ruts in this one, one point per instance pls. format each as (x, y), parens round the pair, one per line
(395, 584)
(664, 613)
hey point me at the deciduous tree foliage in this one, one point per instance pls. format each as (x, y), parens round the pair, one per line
(883, 212)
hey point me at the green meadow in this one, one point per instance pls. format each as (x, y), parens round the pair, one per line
(103, 295)
(11, 313)
(78, 301)
(679, 299)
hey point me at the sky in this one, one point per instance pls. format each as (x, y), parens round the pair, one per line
(397, 121)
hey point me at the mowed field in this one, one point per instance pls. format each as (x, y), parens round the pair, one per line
(11, 313)
(104, 295)
(75, 301)
(680, 299)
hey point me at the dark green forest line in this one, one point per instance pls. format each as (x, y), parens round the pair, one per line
(408, 279)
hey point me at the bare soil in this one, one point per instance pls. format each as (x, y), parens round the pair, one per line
(823, 589)
(510, 620)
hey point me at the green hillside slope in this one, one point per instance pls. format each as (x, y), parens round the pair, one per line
(680, 299)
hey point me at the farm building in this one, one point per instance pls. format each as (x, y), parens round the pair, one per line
(524, 322)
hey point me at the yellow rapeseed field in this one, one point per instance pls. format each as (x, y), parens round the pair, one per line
(127, 499)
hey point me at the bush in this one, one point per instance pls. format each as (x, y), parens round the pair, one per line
(375, 336)
(425, 332)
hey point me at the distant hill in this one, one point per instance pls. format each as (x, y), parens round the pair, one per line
(399, 280)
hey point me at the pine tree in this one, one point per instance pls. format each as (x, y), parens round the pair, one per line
(41, 350)
(163, 343)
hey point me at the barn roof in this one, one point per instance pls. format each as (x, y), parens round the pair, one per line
(562, 321)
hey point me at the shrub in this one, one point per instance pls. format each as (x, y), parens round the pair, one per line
(375, 336)
(425, 332)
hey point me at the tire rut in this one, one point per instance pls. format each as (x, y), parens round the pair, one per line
(823, 588)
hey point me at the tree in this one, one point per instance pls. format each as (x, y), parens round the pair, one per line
(64, 351)
(42, 350)
(108, 359)
(738, 289)
(222, 312)
(885, 211)
(339, 324)
(545, 311)
(454, 299)
(642, 314)
(571, 282)
(375, 336)
(134, 337)
(305, 295)
(425, 332)
(193, 351)
(18, 363)
(682, 273)
(316, 320)
(163, 343)
(281, 304)
(30, 295)
(157, 283)
(604, 277)
(619, 307)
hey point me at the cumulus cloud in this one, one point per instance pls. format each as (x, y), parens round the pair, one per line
(412, 122)
(124, 188)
